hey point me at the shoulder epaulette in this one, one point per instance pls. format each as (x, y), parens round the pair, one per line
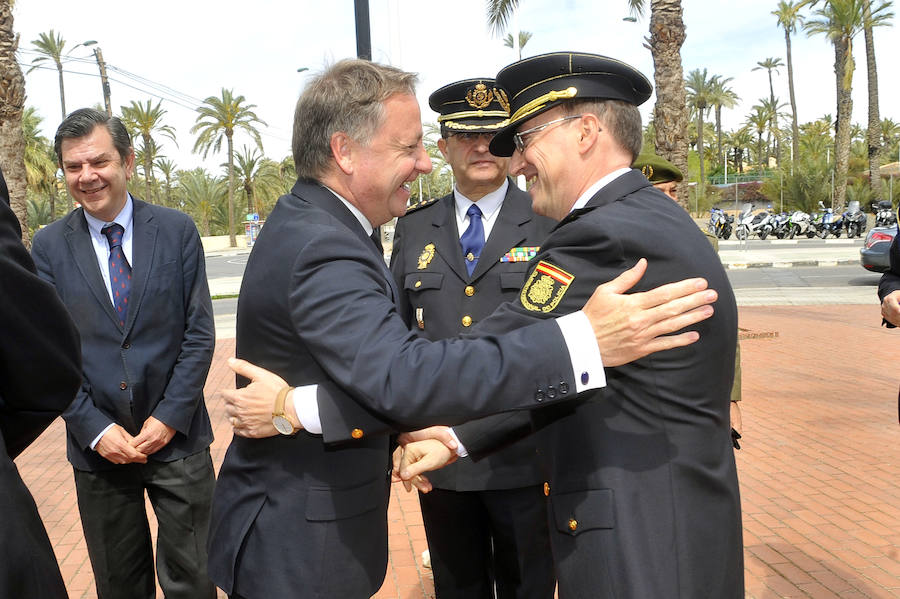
(421, 204)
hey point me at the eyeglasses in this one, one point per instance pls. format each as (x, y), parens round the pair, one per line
(469, 137)
(519, 138)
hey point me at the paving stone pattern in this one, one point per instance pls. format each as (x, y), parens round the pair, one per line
(819, 468)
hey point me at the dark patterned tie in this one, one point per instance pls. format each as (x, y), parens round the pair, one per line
(119, 270)
(472, 240)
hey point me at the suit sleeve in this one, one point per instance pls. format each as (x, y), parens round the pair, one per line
(40, 352)
(890, 280)
(185, 387)
(342, 311)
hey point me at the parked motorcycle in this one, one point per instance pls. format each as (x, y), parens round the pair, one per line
(759, 224)
(800, 223)
(720, 224)
(854, 220)
(827, 222)
(884, 213)
(780, 223)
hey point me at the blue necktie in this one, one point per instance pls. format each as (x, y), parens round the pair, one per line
(472, 241)
(119, 270)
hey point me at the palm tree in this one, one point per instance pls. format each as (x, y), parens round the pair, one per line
(670, 113)
(699, 95)
(788, 14)
(759, 121)
(739, 140)
(218, 118)
(144, 120)
(167, 168)
(890, 135)
(524, 36)
(201, 193)
(721, 96)
(874, 133)
(40, 161)
(12, 105)
(257, 175)
(50, 45)
(840, 21)
(770, 64)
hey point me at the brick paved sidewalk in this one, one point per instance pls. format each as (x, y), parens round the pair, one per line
(820, 468)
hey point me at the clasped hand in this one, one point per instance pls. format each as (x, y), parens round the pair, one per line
(422, 451)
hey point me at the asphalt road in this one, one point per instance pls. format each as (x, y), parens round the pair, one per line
(847, 284)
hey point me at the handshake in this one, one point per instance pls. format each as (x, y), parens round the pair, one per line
(422, 451)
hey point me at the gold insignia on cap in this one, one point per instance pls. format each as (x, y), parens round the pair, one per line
(426, 256)
(541, 101)
(502, 99)
(545, 287)
(479, 96)
(647, 170)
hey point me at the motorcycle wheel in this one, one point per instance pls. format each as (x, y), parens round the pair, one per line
(836, 233)
(763, 233)
(793, 231)
(741, 233)
(823, 233)
(852, 230)
(810, 234)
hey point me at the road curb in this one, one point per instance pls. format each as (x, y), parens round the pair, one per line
(788, 264)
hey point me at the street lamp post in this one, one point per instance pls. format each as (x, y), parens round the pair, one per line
(98, 54)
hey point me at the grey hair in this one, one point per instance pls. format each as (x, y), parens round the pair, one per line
(82, 121)
(622, 120)
(348, 97)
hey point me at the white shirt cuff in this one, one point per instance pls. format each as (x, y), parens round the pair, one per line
(587, 364)
(100, 436)
(306, 408)
(461, 450)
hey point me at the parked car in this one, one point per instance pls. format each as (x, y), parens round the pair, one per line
(875, 254)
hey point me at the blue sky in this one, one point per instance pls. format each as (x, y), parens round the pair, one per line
(199, 46)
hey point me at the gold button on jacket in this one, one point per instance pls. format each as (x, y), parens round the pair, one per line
(356, 433)
(467, 321)
(470, 291)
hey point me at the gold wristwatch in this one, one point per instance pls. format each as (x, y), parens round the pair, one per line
(281, 422)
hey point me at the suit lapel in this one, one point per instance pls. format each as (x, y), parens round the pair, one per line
(507, 232)
(81, 248)
(445, 236)
(322, 198)
(143, 254)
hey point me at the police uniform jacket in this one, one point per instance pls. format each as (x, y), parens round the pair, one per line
(318, 305)
(641, 483)
(444, 301)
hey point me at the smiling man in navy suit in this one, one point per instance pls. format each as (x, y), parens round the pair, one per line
(134, 280)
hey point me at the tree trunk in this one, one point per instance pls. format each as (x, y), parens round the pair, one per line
(874, 127)
(62, 90)
(670, 113)
(148, 167)
(773, 137)
(702, 183)
(232, 239)
(12, 105)
(795, 130)
(843, 70)
(719, 159)
(248, 188)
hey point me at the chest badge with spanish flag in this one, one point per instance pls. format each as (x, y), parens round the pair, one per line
(545, 287)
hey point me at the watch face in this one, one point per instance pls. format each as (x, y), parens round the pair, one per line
(283, 425)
